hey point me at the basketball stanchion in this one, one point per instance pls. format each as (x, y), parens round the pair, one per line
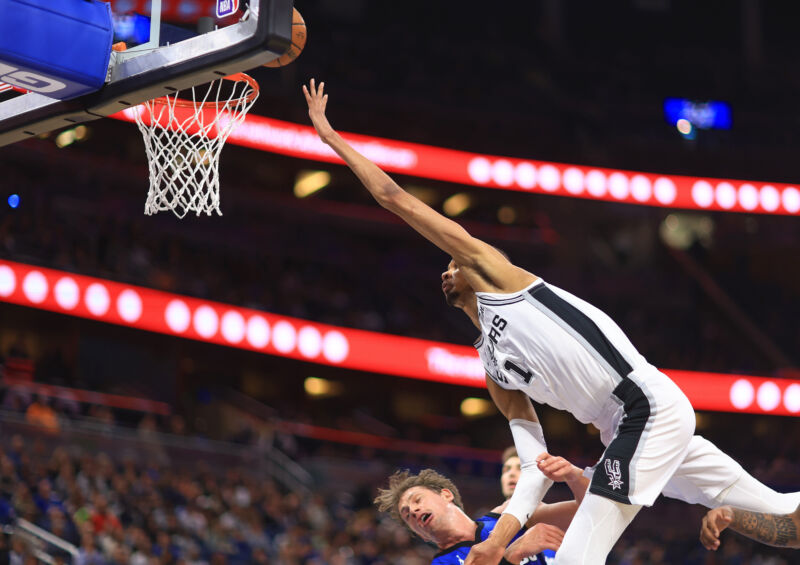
(183, 138)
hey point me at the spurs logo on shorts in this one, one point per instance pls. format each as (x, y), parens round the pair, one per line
(613, 472)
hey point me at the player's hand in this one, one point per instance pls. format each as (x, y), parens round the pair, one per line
(714, 522)
(557, 469)
(317, 101)
(485, 553)
(538, 538)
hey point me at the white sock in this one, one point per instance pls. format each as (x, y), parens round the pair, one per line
(594, 530)
(750, 494)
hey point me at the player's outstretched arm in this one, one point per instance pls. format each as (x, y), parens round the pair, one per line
(771, 529)
(446, 234)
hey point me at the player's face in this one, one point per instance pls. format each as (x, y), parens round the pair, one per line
(510, 476)
(426, 512)
(453, 284)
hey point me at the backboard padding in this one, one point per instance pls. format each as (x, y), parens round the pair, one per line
(262, 37)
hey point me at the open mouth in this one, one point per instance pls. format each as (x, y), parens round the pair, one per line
(426, 518)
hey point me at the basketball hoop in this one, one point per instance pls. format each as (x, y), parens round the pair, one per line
(184, 138)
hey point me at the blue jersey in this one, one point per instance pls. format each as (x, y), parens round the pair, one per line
(457, 554)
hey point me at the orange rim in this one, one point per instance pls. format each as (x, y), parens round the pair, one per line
(236, 77)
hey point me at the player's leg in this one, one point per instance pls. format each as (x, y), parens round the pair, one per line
(594, 530)
(748, 493)
(712, 478)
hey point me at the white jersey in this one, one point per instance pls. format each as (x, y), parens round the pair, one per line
(559, 350)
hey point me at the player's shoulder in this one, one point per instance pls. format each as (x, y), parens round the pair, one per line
(456, 554)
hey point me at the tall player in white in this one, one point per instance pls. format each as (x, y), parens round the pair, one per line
(542, 343)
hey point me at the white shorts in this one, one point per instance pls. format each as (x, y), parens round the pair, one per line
(651, 438)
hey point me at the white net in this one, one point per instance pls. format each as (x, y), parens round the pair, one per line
(183, 139)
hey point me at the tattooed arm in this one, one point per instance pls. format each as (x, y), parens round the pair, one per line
(771, 529)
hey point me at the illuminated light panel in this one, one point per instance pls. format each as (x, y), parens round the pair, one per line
(335, 347)
(791, 398)
(257, 332)
(8, 281)
(641, 188)
(35, 287)
(549, 178)
(573, 180)
(233, 326)
(457, 204)
(769, 396)
(726, 195)
(205, 321)
(665, 191)
(525, 175)
(503, 173)
(770, 198)
(309, 342)
(97, 299)
(444, 362)
(684, 126)
(177, 316)
(748, 197)
(374, 352)
(284, 336)
(129, 305)
(703, 194)
(596, 183)
(67, 293)
(618, 186)
(506, 215)
(791, 200)
(480, 170)
(461, 167)
(309, 182)
(476, 407)
(742, 394)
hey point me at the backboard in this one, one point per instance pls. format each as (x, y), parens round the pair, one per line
(155, 69)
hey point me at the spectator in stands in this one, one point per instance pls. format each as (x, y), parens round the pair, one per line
(88, 553)
(45, 497)
(102, 518)
(40, 413)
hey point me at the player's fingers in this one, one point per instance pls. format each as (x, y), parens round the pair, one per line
(321, 88)
(324, 102)
(306, 94)
(547, 462)
(552, 465)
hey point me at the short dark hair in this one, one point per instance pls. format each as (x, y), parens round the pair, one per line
(389, 498)
(508, 453)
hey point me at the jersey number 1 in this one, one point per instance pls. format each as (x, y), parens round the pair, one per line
(526, 375)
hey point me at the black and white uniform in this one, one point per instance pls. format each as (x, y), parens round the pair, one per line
(562, 351)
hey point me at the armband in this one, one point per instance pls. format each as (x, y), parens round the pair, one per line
(532, 484)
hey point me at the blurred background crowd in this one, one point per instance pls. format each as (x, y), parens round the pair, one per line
(233, 460)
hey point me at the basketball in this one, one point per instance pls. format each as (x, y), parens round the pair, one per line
(298, 42)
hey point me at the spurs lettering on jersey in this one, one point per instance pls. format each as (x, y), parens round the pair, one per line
(498, 325)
